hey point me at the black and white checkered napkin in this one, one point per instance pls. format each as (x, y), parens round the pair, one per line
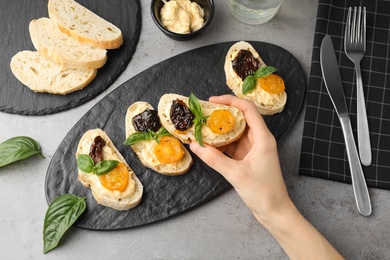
(323, 152)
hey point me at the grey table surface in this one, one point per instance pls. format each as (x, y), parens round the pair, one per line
(223, 228)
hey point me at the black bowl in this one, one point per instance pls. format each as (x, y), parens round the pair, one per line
(208, 7)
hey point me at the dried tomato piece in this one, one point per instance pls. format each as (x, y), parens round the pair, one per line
(96, 149)
(147, 120)
(181, 115)
(245, 64)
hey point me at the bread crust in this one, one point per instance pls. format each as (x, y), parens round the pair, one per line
(208, 136)
(84, 25)
(145, 149)
(112, 199)
(267, 104)
(43, 75)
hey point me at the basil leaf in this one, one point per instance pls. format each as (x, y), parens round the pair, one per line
(162, 132)
(137, 137)
(153, 135)
(104, 167)
(60, 215)
(194, 105)
(85, 163)
(265, 71)
(18, 148)
(198, 134)
(249, 84)
(199, 119)
(145, 136)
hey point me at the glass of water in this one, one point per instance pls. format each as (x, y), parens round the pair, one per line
(254, 11)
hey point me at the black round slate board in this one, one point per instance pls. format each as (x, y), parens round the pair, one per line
(199, 71)
(15, 16)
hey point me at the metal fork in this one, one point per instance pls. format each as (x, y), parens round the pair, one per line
(355, 47)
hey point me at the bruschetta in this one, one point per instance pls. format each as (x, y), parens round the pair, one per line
(249, 77)
(190, 119)
(102, 168)
(154, 146)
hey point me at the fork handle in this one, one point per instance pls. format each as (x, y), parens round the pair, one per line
(362, 121)
(359, 185)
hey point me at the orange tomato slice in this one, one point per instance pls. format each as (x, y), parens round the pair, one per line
(169, 150)
(220, 121)
(116, 179)
(272, 83)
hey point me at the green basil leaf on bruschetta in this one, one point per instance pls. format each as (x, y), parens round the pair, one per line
(85, 163)
(195, 106)
(146, 136)
(137, 137)
(250, 81)
(249, 84)
(264, 71)
(162, 132)
(60, 216)
(104, 167)
(199, 119)
(198, 133)
(18, 148)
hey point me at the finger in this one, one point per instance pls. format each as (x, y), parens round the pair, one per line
(230, 149)
(222, 148)
(215, 159)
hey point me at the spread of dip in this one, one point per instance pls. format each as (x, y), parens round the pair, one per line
(182, 16)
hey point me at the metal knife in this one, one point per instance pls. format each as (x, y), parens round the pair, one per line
(334, 86)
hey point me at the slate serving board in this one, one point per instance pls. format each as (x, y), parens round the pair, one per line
(199, 71)
(15, 16)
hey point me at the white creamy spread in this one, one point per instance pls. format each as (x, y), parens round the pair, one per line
(108, 154)
(182, 16)
(265, 98)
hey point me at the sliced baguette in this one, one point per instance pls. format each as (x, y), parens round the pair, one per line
(145, 149)
(267, 103)
(84, 25)
(43, 75)
(208, 137)
(125, 200)
(62, 48)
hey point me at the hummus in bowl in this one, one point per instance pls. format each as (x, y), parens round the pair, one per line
(182, 19)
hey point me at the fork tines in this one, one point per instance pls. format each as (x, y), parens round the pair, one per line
(355, 32)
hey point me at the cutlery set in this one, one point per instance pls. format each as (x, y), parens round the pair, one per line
(354, 47)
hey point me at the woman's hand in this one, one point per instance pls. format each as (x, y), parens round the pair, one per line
(253, 169)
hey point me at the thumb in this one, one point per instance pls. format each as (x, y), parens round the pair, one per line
(214, 158)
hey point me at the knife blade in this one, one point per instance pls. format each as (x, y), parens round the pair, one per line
(334, 86)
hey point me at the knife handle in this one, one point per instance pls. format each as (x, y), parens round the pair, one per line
(362, 121)
(358, 181)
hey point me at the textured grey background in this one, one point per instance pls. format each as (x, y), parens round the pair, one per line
(223, 228)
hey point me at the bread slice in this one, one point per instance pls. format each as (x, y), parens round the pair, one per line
(208, 137)
(145, 149)
(125, 200)
(62, 48)
(84, 25)
(267, 103)
(43, 75)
